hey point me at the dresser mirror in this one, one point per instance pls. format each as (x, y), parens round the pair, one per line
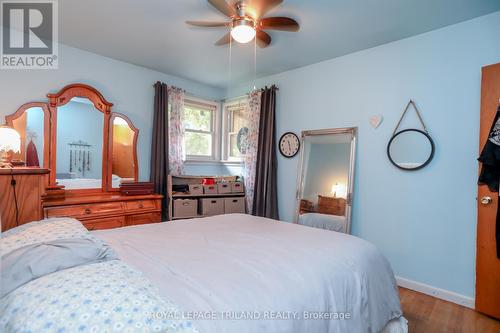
(325, 180)
(87, 147)
(79, 149)
(79, 146)
(123, 136)
(32, 122)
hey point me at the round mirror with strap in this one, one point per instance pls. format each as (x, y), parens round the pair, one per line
(410, 149)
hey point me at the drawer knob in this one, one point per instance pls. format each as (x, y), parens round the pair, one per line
(88, 211)
(141, 205)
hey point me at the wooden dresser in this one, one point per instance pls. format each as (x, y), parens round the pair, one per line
(29, 187)
(70, 189)
(106, 210)
(331, 205)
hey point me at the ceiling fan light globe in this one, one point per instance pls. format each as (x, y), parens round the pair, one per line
(243, 33)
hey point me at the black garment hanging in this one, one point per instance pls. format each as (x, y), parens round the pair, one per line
(490, 170)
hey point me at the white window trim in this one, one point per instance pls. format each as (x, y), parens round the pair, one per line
(214, 162)
(216, 141)
(225, 131)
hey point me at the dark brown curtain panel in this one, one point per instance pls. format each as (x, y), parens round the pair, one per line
(159, 147)
(265, 202)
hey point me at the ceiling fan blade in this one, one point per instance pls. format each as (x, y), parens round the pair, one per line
(224, 40)
(263, 38)
(259, 8)
(223, 7)
(279, 23)
(207, 24)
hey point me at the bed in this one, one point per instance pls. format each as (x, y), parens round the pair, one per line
(239, 273)
(245, 263)
(324, 221)
(83, 183)
(80, 183)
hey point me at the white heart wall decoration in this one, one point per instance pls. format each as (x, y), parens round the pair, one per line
(375, 121)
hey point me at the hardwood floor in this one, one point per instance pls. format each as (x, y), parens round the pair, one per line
(427, 314)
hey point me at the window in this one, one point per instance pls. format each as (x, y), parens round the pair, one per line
(200, 129)
(203, 139)
(236, 129)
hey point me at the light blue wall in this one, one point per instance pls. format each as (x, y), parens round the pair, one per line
(424, 221)
(129, 87)
(78, 121)
(410, 149)
(327, 165)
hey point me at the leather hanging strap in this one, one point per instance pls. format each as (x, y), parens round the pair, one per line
(410, 103)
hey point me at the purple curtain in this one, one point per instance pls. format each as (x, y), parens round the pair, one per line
(265, 201)
(159, 147)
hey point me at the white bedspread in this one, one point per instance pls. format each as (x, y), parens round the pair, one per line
(324, 221)
(216, 265)
(83, 183)
(79, 183)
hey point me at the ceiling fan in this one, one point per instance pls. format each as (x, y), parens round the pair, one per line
(247, 21)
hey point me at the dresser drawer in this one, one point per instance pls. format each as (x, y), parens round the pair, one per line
(140, 205)
(104, 223)
(143, 219)
(84, 211)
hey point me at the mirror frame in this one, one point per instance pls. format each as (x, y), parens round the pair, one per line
(110, 154)
(63, 97)
(352, 164)
(49, 108)
(429, 159)
(9, 120)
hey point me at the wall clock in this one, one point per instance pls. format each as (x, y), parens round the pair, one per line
(289, 144)
(242, 140)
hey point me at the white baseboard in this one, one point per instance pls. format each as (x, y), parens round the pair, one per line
(443, 294)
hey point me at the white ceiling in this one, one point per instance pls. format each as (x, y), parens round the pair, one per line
(152, 33)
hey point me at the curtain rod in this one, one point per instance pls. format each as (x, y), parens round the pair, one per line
(242, 96)
(188, 93)
(233, 98)
(221, 100)
(168, 85)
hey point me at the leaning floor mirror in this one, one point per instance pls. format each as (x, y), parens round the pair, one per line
(325, 180)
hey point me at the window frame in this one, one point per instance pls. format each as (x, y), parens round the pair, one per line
(214, 108)
(226, 142)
